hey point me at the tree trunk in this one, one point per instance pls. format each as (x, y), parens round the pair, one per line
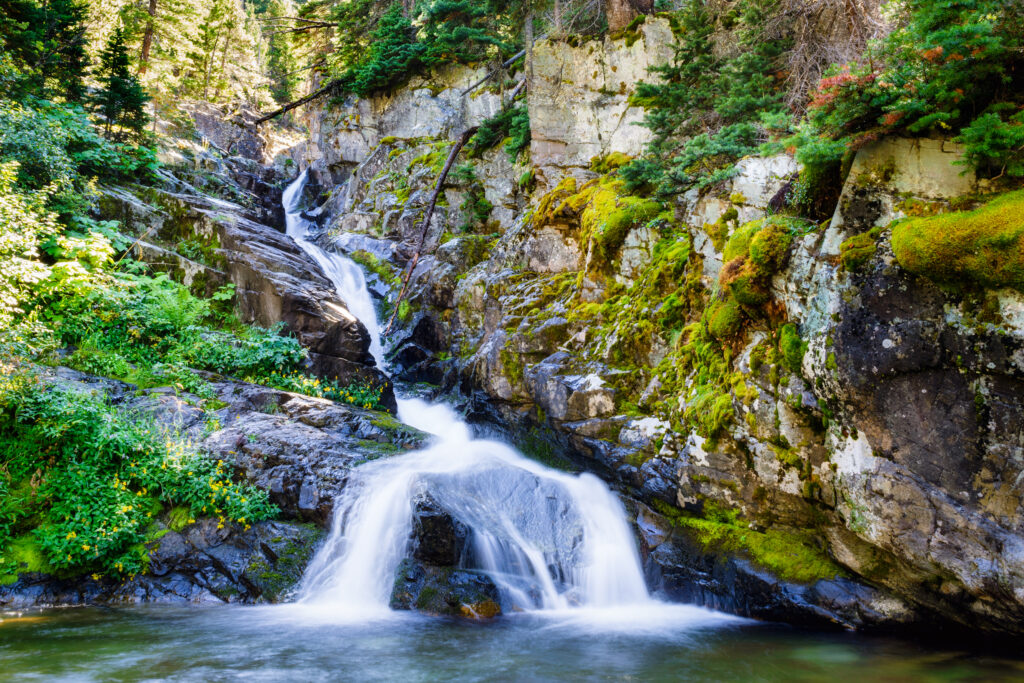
(147, 38)
(528, 39)
(557, 12)
(621, 13)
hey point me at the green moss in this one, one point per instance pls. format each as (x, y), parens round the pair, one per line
(178, 518)
(23, 555)
(725, 318)
(382, 269)
(830, 362)
(792, 347)
(857, 250)
(789, 555)
(984, 246)
(770, 246)
(609, 163)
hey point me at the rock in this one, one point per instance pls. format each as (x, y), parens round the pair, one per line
(201, 564)
(437, 538)
(579, 98)
(444, 591)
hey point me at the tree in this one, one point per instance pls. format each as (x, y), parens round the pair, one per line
(47, 41)
(121, 100)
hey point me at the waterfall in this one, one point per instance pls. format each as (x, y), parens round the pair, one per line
(549, 540)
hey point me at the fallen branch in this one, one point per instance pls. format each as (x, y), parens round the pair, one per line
(506, 64)
(298, 103)
(452, 155)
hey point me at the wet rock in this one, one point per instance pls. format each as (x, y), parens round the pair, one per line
(437, 538)
(203, 563)
(444, 591)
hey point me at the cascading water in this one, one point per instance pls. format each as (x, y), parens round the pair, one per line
(549, 540)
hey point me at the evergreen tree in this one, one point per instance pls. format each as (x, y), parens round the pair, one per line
(121, 100)
(47, 41)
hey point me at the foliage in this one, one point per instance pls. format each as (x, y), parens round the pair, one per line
(362, 394)
(56, 145)
(510, 125)
(394, 55)
(120, 99)
(948, 68)
(24, 221)
(983, 247)
(706, 111)
(89, 479)
(46, 42)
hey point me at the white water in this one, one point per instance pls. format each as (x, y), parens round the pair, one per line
(551, 541)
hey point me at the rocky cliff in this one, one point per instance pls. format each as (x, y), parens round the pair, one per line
(809, 427)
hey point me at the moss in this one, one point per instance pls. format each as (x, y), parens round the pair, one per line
(178, 518)
(830, 362)
(984, 247)
(770, 246)
(725, 318)
(23, 554)
(382, 269)
(426, 597)
(857, 250)
(609, 163)
(792, 347)
(789, 555)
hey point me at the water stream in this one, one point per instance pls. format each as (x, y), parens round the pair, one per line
(549, 540)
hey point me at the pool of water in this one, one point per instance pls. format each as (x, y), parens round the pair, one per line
(295, 644)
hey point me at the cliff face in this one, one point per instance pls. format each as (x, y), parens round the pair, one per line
(808, 430)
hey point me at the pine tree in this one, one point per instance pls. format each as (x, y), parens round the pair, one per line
(121, 99)
(47, 41)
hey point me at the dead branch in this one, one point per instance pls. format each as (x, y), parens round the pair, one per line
(298, 103)
(452, 155)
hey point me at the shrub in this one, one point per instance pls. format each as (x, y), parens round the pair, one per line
(92, 479)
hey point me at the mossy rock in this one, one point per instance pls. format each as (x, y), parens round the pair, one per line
(857, 250)
(725, 318)
(982, 247)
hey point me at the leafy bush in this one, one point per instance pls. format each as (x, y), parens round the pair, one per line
(364, 395)
(91, 479)
(947, 68)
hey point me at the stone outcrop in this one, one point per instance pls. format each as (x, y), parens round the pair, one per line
(579, 100)
(432, 580)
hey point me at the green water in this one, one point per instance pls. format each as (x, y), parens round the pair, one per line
(287, 644)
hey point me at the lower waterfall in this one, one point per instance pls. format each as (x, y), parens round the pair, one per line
(549, 540)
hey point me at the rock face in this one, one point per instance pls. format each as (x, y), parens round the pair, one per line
(275, 281)
(579, 101)
(861, 410)
(200, 564)
(298, 449)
